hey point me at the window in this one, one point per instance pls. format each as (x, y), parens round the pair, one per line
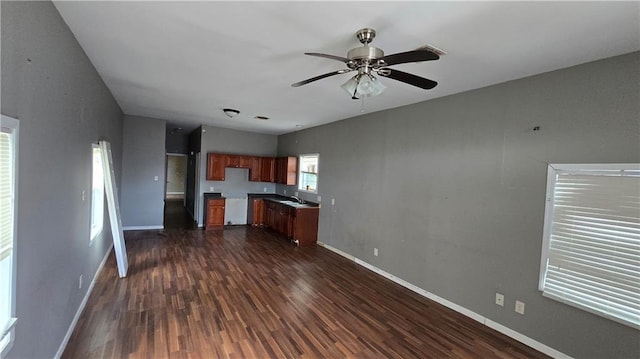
(591, 244)
(308, 175)
(8, 158)
(97, 194)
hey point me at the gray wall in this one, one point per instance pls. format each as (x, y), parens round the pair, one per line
(236, 184)
(142, 204)
(452, 191)
(63, 106)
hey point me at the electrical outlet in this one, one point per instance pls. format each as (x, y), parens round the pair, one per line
(155, 178)
(375, 252)
(500, 299)
(265, 189)
(333, 201)
(519, 307)
(285, 192)
(83, 195)
(295, 194)
(80, 282)
(319, 199)
(210, 189)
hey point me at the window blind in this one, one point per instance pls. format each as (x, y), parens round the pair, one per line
(6, 200)
(592, 254)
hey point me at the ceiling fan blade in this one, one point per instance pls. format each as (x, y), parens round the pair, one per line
(327, 56)
(409, 56)
(320, 77)
(408, 78)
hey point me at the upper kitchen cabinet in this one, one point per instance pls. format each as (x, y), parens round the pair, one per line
(286, 170)
(267, 169)
(261, 169)
(216, 164)
(238, 161)
(255, 169)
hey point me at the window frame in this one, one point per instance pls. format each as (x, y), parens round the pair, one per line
(7, 332)
(97, 233)
(301, 187)
(553, 171)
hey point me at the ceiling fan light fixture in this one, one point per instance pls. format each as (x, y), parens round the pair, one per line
(363, 85)
(231, 113)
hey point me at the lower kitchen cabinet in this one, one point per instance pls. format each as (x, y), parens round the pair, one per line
(258, 212)
(297, 223)
(214, 213)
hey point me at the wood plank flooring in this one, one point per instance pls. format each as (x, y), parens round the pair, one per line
(247, 293)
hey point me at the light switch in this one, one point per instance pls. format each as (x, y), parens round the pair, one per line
(155, 178)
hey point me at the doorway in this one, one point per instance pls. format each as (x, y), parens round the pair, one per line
(176, 177)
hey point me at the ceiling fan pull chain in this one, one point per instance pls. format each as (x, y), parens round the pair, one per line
(362, 107)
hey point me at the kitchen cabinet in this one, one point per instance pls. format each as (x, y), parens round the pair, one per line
(238, 161)
(216, 164)
(214, 213)
(261, 169)
(258, 212)
(304, 225)
(286, 170)
(267, 169)
(297, 223)
(255, 169)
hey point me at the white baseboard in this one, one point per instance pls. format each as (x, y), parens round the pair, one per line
(460, 309)
(141, 228)
(67, 336)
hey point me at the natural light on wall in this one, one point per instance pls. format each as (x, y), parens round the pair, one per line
(591, 245)
(308, 173)
(97, 194)
(8, 150)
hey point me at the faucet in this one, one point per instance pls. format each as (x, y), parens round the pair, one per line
(298, 199)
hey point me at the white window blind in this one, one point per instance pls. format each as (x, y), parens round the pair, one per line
(8, 184)
(97, 194)
(6, 193)
(591, 247)
(308, 173)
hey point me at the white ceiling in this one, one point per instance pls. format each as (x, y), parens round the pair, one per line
(185, 61)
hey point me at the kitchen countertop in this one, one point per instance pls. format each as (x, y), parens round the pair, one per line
(283, 200)
(213, 195)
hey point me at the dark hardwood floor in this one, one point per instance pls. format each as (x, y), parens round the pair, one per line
(247, 293)
(176, 216)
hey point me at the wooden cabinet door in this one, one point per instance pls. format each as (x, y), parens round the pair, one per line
(258, 212)
(305, 226)
(286, 170)
(266, 169)
(268, 214)
(255, 169)
(215, 214)
(289, 222)
(238, 161)
(233, 161)
(277, 173)
(291, 175)
(215, 166)
(244, 161)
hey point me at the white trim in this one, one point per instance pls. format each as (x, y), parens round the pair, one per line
(460, 309)
(72, 327)
(525, 340)
(141, 228)
(14, 125)
(336, 250)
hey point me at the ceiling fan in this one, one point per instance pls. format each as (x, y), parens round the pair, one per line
(368, 60)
